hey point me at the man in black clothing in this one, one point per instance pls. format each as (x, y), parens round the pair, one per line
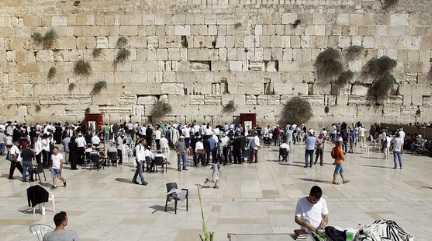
(237, 149)
(73, 153)
(149, 136)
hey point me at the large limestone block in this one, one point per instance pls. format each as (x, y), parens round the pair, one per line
(212, 99)
(196, 99)
(184, 30)
(59, 20)
(172, 88)
(399, 19)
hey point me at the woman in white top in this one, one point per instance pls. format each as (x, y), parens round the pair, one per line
(57, 166)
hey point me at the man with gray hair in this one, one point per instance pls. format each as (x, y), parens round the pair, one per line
(181, 154)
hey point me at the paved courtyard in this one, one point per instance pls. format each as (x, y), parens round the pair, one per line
(253, 198)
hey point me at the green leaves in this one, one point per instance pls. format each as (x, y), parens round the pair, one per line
(296, 110)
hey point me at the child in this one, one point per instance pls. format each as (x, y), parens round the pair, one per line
(57, 166)
(338, 154)
(214, 176)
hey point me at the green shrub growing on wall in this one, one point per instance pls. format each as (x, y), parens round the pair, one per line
(160, 109)
(386, 4)
(122, 56)
(38, 108)
(52, 72)
(379, 70)
(381, 86)
(328, 65)
(82, 68)
(98, 86)
(96, 52)
(71, 87)
(46, 40)
(229, 107)
(296, 110)
(121, 42)
(342, 81)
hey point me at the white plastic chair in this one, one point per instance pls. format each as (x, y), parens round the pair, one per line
(41, 206)
(39, 230)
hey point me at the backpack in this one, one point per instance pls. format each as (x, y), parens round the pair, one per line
(333, 152)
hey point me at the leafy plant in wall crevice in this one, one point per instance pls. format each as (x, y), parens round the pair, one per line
(386, 4)
(71, 87)
(160, 109)
(343, 79)
(122, 56)
(51, 73)
(38, 108)
(82, 68)
(96, 52)
(98, 87)
(47, 40)
(229, 107)
(296, 110)
(379, 70)
(328, 65)
(123, 53)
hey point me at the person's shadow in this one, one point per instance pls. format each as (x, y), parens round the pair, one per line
(315, 180)
(124, 180)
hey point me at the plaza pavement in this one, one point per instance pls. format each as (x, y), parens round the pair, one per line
(253, 198)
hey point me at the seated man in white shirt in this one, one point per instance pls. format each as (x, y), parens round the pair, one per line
(149, 157)
(284, 149)
(95, 140)
(311, 212)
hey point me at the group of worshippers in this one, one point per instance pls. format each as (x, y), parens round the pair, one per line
(203, 143)
(32, 148)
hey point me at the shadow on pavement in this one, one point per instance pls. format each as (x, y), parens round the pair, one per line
(124, 180)
(315, 180)
(161, 208)
(377, 166)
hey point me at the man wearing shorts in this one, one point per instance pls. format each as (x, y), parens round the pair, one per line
(57, 166)
(338, 154)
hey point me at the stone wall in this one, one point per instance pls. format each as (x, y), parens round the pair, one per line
(201, 54)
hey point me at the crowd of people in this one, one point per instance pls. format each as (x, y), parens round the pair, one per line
(53, 144)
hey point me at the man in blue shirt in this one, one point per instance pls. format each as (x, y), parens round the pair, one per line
(310, 148)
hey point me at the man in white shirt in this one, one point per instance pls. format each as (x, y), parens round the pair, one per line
(140, 158)
(311, 212)
(402, 136)
(95, 140)
(224, 143)
(199, 152)
(397, 149)
(284, 149)
(158, 135)
(81, 145)
(186, 133)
